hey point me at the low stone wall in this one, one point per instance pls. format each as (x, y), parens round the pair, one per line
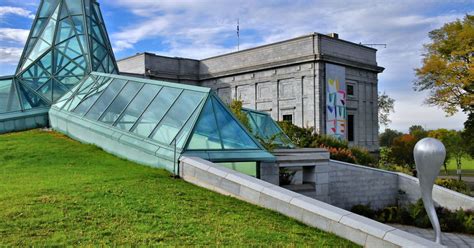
(345, 224)
(410, 193)
(23, 120)
(349, 184)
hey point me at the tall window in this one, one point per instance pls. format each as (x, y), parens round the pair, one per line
(350, 90)
(350, 127)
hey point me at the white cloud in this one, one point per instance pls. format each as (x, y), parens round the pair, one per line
(10, 55)
(6, 10)
(199, 29)
(18, 36)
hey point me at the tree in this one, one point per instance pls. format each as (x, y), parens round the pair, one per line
(457, 150)
(443, 135)
(386, 106)
(386, 138)
(468, 135)
(448, 67)
(402, 150)
(418, 132)
(236, 108)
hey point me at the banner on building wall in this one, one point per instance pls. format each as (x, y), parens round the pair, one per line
(336, 113)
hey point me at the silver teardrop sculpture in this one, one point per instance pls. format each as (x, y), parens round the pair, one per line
(429, 156)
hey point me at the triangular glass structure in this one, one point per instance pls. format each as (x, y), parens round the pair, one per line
(265, 128)
(177, 118)
(67, 41)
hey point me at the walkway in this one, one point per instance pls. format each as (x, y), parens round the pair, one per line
(448, 239)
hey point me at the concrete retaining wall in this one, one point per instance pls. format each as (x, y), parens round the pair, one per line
(410, 189)
(345, 224)
(349, 184)
(24, 120)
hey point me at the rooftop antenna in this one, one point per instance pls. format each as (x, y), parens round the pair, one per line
(238, 35)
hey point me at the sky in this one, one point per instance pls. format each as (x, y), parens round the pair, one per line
(204, 28)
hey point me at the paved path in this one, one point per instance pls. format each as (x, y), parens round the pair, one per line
(448, 239)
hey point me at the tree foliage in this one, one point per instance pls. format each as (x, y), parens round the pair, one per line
(468, 135)
(386, 138)
(386, 106)
(236, 108)
(402, 150)
(448, 67)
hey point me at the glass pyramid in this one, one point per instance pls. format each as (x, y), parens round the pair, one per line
(175, 117)
(264, 127)
(67, 41)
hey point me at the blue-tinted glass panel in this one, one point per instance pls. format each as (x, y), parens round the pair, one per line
(90, 99)
(248, 168)
(137, 106)
(186, 130)
(105, 99)
(206, 134)
(232, 134)
(48, 7)
(120, 102)
(8, 97)
(155, 112)
(177, 116)
(81, 93)
(47, 90)
(30, 99)
(74, 6)
(65, 29)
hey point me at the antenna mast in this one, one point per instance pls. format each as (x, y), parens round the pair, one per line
(238, 35)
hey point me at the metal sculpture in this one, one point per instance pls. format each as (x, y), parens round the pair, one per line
(429, 156)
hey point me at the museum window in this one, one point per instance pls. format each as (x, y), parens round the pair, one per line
(350, 90)
(288, 118)
(350, 128)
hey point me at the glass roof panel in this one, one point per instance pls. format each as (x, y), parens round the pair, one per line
(155, 111)
(90, 99)
(105, 99)
(266, 128)
(9, 101)
(233, 135)
(121, 101)
(177, 116)
(138, 105)
(47, 8)
(206, 135)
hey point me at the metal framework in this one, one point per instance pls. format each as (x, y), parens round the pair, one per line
(67, 41)
(180, 118)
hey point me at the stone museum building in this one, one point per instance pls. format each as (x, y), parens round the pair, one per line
(315, 80)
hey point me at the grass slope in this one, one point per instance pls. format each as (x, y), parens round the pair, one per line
(56, 191)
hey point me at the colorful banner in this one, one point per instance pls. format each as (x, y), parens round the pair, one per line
(336, 112)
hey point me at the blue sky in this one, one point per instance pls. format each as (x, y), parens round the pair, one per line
(203, 28)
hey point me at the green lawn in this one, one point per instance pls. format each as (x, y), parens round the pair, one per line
(467, 164)
(56, 191)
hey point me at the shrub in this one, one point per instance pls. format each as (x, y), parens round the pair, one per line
(363, 157)
(340, 154)
(328, 141)
(415, 215)
(301, 137)
(453, 184)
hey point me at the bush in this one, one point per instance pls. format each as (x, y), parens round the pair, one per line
(363, 157)
(340, 154)
(453, 184)
(459, 221)
(328, 141)
(301, 137)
